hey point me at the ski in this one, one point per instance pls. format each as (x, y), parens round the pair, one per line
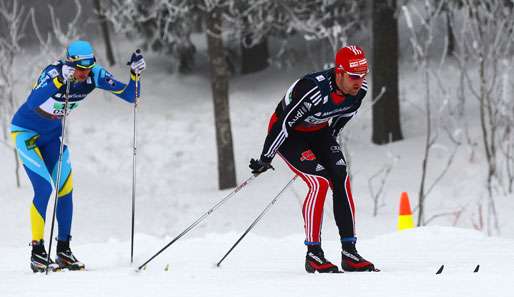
(440, 270)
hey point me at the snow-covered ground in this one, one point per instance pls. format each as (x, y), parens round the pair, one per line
(261, 266)
(177, 182)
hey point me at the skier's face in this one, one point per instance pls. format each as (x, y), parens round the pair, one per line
(81, 74)
(350, 83)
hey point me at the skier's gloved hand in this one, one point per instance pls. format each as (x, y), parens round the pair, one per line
(137, 63)
(67, 74)
(259, 166)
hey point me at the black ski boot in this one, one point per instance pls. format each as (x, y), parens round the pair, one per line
(65, 257)
(315, 261)
(38, 259)
(351, 260)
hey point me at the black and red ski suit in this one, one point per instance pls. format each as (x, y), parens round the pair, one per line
(303, 131)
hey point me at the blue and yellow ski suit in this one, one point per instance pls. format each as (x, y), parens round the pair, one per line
(36, 131)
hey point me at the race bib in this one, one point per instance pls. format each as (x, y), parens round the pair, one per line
(56, 108)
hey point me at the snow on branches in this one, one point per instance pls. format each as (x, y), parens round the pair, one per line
(13, 18)
(484, 52)
(166, 25)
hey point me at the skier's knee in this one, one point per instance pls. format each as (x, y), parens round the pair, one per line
(43, 191)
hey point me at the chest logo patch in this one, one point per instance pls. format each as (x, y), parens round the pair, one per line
(308, 156)
(53, 73)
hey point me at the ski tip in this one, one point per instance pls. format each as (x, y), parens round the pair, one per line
(440, 270)
(476, 268)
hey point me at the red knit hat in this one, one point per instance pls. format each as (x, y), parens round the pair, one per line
(351, 59)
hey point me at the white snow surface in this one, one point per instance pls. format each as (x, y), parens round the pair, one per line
(273, 267)
(177, 183)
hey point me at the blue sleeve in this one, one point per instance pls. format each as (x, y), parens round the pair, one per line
(45, 87)
(105, 81)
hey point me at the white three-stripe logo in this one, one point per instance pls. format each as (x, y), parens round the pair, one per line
(354, 50)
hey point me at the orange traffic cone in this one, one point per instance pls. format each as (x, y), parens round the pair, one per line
(405, 220)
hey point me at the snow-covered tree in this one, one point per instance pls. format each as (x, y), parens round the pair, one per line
(329, 21)
(104, 25)
(483, 49)
(422, 41)
(53, 45)
(13, 19)
(166, 26)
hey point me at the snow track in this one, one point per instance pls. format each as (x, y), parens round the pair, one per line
(263, 266)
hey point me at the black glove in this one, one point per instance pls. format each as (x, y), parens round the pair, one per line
(259, 166)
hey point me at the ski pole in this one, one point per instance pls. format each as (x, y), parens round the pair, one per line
(134, 152)
(59, 168)
(210, 211)
(275, 199)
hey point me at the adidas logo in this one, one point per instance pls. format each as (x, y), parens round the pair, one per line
(319, 167)
(341, 162)
(313, 256)
(350, 255)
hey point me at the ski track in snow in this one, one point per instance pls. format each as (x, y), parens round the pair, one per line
(260, 266)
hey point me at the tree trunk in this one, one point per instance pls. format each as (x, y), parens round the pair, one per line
(255, 58)
(386, 111)
(451, 34)
(105, 32)
(219, 84)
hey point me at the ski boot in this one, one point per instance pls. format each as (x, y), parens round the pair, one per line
(39, 257)
(65, 258)
(315, 261)
(351, 260)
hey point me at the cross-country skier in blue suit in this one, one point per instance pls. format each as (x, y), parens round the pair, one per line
(36, 131)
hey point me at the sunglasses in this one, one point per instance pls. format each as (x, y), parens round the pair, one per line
(356, 76)
(84, 61)
(86, 64)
